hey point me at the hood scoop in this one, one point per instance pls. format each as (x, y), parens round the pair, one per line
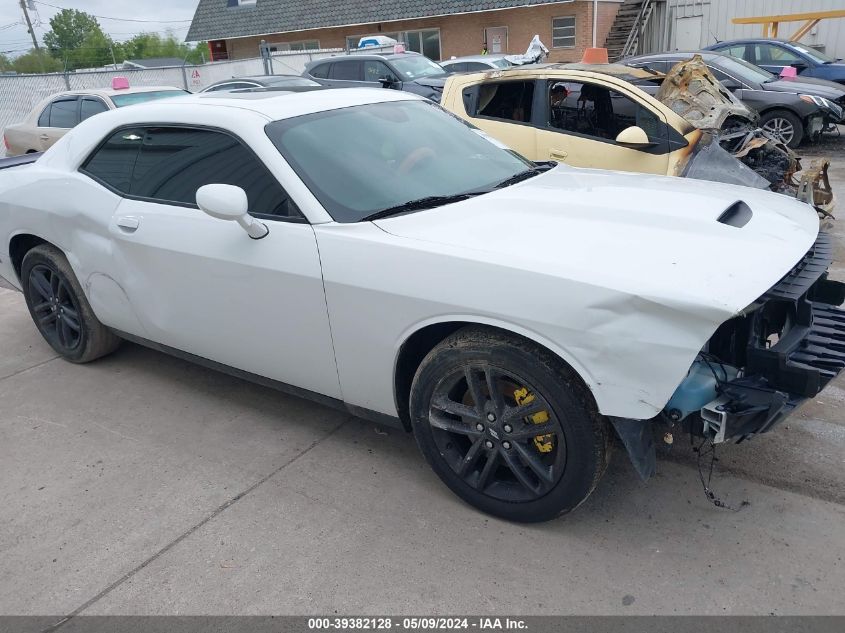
(738, 214)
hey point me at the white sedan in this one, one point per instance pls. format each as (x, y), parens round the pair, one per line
(368, 250)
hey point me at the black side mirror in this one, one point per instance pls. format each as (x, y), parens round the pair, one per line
(799, 65)
(386, 82)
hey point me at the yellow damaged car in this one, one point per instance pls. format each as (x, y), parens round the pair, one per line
(602, 116)
(582, 118)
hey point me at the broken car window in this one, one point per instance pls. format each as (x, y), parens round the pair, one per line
(598, 112)
(508, 100)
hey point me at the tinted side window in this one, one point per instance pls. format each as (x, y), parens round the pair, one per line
(112, 163)
(44, 119)
(347, 70)
(63, 113)
(90, 107)
(775, 55)
(375, 70)
(508, 100)
(321, 71)
(474, 67)
(595, 111)
(174, 162)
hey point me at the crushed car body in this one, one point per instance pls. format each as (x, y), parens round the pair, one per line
(691, 90)
(588, 111)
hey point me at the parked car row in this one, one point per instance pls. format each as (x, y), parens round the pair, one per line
(791, 109)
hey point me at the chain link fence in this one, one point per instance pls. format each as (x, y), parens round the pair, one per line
(19, 94)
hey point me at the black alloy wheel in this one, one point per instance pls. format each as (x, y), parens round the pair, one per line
(497, 433)
(55, 312)
(60, 309)
(508, 426)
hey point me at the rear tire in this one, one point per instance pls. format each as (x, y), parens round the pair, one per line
(59, 308)
(533, 450)
(784, 126)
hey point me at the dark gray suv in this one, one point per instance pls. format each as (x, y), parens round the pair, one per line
(400, 71)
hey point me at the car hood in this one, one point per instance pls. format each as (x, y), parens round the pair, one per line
(655, 237)
(819, 87)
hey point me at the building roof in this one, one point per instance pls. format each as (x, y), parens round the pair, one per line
(221, 19)
(155, 62)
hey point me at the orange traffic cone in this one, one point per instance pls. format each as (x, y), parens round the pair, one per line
(595, 56)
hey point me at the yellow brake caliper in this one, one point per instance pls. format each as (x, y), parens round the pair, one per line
(544, 443)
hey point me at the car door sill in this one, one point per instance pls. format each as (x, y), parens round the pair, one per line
(334, 403)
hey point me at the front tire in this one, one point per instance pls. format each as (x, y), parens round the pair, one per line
(784, 127)
(507, 426)
(59, 308)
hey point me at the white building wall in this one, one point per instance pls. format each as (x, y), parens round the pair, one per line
(676, 23)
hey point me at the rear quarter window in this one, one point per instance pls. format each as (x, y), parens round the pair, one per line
(320, 71)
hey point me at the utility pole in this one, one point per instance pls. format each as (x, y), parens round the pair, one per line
(32, 33)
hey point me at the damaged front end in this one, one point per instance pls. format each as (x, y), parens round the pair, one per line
(762, 364)
(729, 133)
(759, 366)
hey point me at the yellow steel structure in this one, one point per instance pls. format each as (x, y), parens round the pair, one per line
(771, 22)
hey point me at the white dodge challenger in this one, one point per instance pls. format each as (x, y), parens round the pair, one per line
(368, 250)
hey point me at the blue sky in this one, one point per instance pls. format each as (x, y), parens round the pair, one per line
(162, 16)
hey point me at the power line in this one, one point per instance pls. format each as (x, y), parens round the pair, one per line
(105, 17)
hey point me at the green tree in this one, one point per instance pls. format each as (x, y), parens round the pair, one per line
(93, 52)
(199, 53)
(32, 61)
(69, 29)
(5, 63)
(147, 45)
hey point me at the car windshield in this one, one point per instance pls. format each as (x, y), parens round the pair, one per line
(812, 53)
(363, 159)
(412, 67)
(140, 97)
(501, 63)
(741, 69)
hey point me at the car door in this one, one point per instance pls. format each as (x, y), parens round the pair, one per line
(581, 120)
(54, 122)
(505, 110)
(89, 106)
(202, 285)
(774, 58)
(375, 70)
(345, 73)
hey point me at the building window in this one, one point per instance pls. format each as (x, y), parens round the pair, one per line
(426, 42)
(563, 32)
(304, 45)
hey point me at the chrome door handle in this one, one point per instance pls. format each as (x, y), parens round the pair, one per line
(129, 223)
(44, 137)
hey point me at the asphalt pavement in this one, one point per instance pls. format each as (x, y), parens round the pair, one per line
(142, 484)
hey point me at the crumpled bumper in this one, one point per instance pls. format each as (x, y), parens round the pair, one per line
(780, 375)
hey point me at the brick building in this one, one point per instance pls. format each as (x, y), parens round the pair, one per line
(439, 29)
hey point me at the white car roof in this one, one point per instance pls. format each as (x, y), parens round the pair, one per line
(111, 92)
(226, 110)
(272, 105)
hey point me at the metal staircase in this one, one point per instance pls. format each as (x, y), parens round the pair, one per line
(628, 26)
